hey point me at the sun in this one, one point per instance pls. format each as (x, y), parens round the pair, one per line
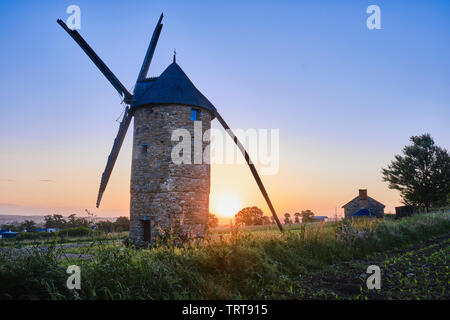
(226, 204)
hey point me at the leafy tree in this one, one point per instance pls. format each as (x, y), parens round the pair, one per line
(297, 216)
(74, 222)
(307, 215)
(91, 218)
(249, 216)
(213, 221)
(71, 221)
(105, 226)
(11, 226)
(27, 224)
(266, 220)
(55, 221)
(272, 220)
(58, 221)
(122, 224)
(422, 174)
(287, 218)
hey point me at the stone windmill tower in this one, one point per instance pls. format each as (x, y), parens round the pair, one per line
(163, 192)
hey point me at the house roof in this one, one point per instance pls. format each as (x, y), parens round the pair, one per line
(9, 232)
(357, 198)
(172, 87)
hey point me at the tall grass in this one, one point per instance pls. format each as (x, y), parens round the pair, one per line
(245, 265)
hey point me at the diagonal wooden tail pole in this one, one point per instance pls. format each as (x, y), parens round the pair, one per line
(252, 168)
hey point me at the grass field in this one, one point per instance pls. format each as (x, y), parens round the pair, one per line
(316, 261)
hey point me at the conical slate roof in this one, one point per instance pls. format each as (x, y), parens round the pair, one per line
(171, 87)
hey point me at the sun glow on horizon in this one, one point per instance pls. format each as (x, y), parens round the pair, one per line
(226, 204)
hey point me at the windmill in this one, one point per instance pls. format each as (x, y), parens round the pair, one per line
(161, 190)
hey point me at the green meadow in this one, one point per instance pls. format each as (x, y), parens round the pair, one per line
(313, 261)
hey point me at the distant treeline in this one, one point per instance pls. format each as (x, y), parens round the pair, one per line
(254, 216)
(57, 221)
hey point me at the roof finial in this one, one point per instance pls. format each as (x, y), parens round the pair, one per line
(174, 55)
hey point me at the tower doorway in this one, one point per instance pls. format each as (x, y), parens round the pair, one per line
(147, 230)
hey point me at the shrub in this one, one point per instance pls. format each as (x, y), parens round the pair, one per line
(35, 235)
(75, 232)
(35, 275)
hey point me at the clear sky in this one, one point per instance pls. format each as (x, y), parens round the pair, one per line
(345, 98)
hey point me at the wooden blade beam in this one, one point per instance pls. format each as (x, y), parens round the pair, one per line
(150, 51)
(98, 62)
(114, 152)
(252, 168)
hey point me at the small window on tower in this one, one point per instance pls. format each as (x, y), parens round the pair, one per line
(195, 114)
(144, 148)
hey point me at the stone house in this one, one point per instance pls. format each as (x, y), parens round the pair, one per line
(362, 201)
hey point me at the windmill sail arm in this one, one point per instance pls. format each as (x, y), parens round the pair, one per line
(114, 153)
(252, 168)
(98, 62)
(150, 50)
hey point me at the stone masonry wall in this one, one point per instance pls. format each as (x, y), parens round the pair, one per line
(161, 190)
(354, 206)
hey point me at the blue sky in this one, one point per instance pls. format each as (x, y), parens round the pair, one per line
(345, 98)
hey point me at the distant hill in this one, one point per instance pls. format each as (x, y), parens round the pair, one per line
(10, 218)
